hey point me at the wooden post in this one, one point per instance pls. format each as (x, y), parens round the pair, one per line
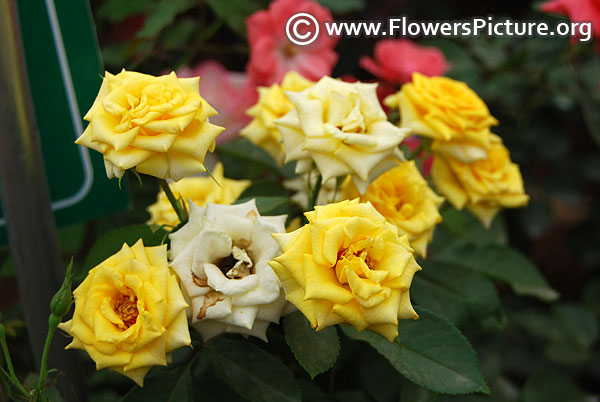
(26, 203)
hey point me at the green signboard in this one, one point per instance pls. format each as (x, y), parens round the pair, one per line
(65, 73)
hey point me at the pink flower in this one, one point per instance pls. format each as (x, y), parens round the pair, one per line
(272, 54)
(229, 92)
(576, 10)
(396, 60)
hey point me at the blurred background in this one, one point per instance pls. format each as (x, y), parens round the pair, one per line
(544, 92)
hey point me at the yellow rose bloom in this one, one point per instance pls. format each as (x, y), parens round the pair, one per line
(198, 189)
(272, 104)
(129, 312)
(348, 265)
(484, 186)
(405, 199)
(157, 125)
(447, 111)
(342, 129)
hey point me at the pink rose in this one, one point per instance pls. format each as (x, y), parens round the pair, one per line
(396, 60)
(229, 92)
(271, 52)
(576, 10)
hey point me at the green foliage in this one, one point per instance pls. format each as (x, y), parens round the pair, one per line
(553, 386)
(430, 352)
(234, 12)
(269, 205)
(315, 351)
(173, 385)
(503, 264)
(462, 296)
(162, 14)
(252, 372)
(242, 149)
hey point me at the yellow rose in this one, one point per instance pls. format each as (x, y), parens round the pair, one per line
(272, 104)
(484, 186)
(129, 312)
(340, 127)
(447, 111)
(403, 197)
(348, 265)
(157, 125)
(198, 189)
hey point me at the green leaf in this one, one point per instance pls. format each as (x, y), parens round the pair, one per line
(171, 385)
(118, 10)
(242, 149)
(234, 12)
(269, 205)
(112, 242)
(252, 372)
(461, 295)
(161, 15)
(503, 264)
(315, 351)
(342, 7)
(553, 386)
(430, 352)
(577, 322)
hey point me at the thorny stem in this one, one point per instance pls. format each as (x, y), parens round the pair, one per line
(181, 213)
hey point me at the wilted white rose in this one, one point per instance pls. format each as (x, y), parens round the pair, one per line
(221, 257)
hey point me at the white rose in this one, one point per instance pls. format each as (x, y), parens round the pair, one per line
(342, 128)
(221, 257)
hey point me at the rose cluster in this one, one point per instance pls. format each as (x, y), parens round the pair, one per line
(369, 211)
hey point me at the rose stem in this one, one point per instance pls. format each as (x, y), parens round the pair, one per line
(181, 213)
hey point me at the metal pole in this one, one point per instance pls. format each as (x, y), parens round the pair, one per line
(26, 203)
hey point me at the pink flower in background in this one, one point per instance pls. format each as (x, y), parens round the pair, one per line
(577, 10)
(272, 54)
(396, 60)
(229, 92)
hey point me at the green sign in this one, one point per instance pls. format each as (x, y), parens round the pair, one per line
(65, 73)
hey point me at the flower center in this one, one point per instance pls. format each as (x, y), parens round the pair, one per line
(289, 51)
(126, 308)
(236, 265)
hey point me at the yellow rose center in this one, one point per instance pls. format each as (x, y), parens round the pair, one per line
(126, 308)
(153, 103)
(358, 257)
(397, 194)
